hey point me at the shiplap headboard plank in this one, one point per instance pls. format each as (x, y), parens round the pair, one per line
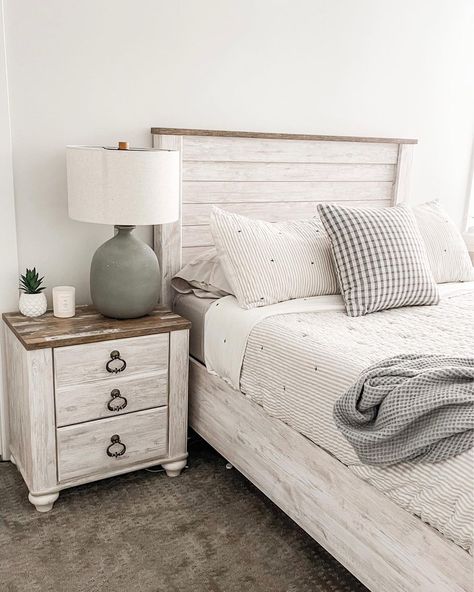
(401, 188)
(274, 177)
(199, 235)
(167, 237)
(304, 151)
(198, 214)
(224, 192)
(285, 172)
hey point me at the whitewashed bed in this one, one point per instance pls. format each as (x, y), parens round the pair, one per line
(278, 177)
(296, 364)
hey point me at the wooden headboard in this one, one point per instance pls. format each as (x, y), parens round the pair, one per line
(273, 177)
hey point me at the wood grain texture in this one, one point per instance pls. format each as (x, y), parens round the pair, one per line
(172, 131)
(88, 326)
(79, 364)
(302, 151)
(199, 214)
(167, 237)
(247, 192)
(82, 448)
(190, 253)
(199, 235)
(273, 177)
(120, 470)
(401, 189)
(285, 172)
(178, 392)
(87, 402)
(384, 546)
(78, 391)
(31, 409)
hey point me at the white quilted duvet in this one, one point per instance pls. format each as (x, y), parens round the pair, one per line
(296, 365)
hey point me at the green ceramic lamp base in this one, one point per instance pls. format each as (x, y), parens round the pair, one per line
(125, 276)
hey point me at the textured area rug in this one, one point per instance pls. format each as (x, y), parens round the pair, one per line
(209, 530)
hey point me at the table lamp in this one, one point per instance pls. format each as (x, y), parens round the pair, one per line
(125, 187)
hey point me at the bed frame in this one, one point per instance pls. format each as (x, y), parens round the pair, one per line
(277, 177)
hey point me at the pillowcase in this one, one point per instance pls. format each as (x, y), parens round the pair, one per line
(445, 247)
(380, 258)
(266, 263)
(204, 277)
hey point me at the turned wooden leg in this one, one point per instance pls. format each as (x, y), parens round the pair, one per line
(173, 469)
(43, 503)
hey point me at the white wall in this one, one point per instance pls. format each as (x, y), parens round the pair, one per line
(8, 247)
(97, 71)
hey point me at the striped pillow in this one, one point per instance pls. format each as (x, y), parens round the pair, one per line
(267, 263)
(380, 258)
(447, 252)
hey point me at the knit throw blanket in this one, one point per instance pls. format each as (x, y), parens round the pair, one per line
(410, 408)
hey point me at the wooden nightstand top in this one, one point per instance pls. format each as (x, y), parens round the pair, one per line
(88, 326)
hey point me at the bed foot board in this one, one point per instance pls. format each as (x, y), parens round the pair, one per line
(384, 546)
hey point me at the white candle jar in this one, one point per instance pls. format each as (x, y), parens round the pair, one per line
(64, 301)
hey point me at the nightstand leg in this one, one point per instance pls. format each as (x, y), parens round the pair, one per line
(173, 469)
(43, 503)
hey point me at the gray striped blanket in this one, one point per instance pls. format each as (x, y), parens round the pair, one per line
(410, 408)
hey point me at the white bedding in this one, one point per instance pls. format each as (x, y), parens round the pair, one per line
(296, 358)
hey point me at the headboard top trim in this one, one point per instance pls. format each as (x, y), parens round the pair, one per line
(172, 131)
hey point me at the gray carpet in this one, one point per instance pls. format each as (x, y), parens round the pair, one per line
(208, 530)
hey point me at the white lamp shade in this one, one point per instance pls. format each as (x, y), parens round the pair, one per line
(122, 187)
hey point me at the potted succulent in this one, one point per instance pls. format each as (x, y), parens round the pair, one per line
(32, 301)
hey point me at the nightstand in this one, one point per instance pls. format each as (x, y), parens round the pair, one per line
(92, 397)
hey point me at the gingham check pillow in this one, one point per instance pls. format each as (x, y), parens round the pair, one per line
(380, 258)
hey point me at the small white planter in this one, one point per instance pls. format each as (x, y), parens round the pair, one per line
(33, 305)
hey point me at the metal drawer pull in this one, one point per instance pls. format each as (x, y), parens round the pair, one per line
(117, 402)
(115, 355)
(117, 448)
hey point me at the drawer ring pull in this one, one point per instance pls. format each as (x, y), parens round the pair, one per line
(116, 448)
(117, 402)
(115, 355)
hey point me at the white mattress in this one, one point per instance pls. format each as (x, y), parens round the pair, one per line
(296, 365)
(194, 309)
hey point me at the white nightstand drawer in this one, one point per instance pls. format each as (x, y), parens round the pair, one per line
(109, 444)
(108, 360)
(100, 399)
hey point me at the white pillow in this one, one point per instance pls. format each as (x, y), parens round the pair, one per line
(267, 263)
(447, 252)
(204, 277)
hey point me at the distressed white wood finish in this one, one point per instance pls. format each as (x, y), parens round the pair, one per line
(82, 447)
(188, 254)
(167, 237)
(387, 548)
(401, 189)
(384, 546)
(87, 402)
(178, 397)
(199, 214)
(213, 148)
(44, 502)
(76, 364)
(285, 172)
(200, 235)
(159, 374)
(268, 176)
(249, 192)
(173, 469)
(31, 413)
